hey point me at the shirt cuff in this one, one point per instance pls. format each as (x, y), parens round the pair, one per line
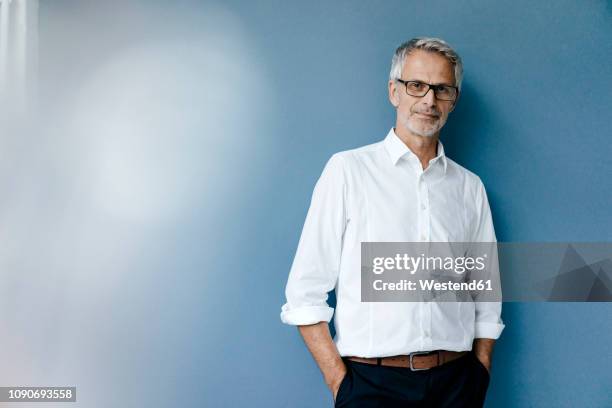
(488, 330)
(306, 315)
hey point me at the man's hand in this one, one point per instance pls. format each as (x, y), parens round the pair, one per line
(322, 347)
(334, 386)
(483, 348)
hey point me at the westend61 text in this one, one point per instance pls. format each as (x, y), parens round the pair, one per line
(432, 284)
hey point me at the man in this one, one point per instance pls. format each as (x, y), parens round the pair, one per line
(401, 189)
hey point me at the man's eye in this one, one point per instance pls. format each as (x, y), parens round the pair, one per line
(417, 86)
(444, 90)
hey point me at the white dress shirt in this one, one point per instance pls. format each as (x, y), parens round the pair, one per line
(380, 193)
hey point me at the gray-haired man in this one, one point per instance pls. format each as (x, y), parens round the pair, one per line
(402, 188)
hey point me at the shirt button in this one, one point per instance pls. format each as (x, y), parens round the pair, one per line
(423, 237)
(423, 206)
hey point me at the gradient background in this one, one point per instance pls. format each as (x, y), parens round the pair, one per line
(151, 208)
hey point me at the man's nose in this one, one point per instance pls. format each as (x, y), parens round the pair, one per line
(430, 97)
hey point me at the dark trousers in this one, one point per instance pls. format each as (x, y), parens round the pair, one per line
(460, 383)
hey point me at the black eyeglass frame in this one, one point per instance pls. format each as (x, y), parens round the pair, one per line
(429, 86)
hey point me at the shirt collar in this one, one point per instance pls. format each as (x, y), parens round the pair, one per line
(398, 149)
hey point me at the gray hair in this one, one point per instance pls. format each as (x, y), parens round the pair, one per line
(426, 44)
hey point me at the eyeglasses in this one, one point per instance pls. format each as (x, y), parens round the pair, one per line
(420, 89)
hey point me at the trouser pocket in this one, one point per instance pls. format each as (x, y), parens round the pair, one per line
(345, 386)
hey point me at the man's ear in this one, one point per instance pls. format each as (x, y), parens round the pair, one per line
(454, 103)
(393, 96)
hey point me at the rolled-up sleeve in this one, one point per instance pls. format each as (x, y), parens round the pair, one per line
(488, 314)
(315, 268)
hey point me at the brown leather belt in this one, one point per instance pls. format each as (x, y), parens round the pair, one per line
(415, 361)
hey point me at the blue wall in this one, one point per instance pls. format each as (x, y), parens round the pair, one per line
(533, 122)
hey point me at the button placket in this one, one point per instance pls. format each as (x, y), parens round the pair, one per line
(424, 220)
(427, 339)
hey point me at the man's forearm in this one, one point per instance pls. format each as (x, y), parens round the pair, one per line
(324, 351)
(483, 348)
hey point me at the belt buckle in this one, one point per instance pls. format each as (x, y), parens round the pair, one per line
(417, 353)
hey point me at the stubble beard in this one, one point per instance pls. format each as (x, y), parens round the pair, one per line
(422, 128)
